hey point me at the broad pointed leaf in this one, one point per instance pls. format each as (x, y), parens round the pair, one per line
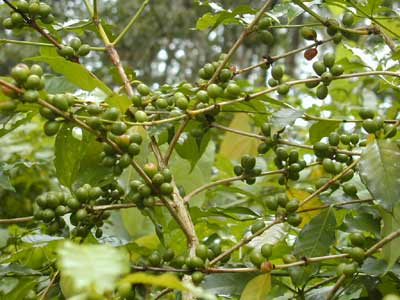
(380, 169)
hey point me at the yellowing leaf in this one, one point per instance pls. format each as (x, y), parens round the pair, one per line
(314, 202)
(257, 288)
(92, 267)
(165, 280)
(235, 145)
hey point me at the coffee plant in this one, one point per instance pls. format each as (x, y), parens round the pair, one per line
(257, 180)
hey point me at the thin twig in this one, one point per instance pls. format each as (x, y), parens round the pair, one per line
(46, 290)
(275, 58)
(16, 220)
(329, 183)
(290, 83)
(131, 22)
(240, 40)
(337, 285)
(244, 241)
(174, 140)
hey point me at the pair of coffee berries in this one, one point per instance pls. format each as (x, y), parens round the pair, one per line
(33, 9)
(74, 48)
(229, 90)
(283, 206)
(247, 169)
(264, 33)
(155, 259)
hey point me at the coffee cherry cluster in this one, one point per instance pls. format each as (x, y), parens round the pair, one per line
(247, 169)
(86, 196)
(326, 70)
(195, 264)
(50, 207)
(145, 195)
(264, 33)
(28, 10)
(224, 87)
(283, 206)
(145, 102)
(292, 163)
(28, 79)
(129, 144)
(74, 48)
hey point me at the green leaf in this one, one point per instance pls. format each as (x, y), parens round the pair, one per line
(5, 182)
(391, 222)
(257, 288)
(317, 236)
(16, 269)
(58, 84)
(207, 20)
(227, 284)
(75, 73)
(321, 129)
(78, 160)
(190, 177)
(191, 148)
(379, 170)
(165, 280)
(92, 267)
(120, 101)
(285, 116)
(14, 122)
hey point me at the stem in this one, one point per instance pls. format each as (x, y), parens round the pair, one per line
(210, 185)
(323, 21)
(290, 83)
(310, 11)
(335, 205)
(244, 241)
(29, 43)
(131, 22)
(329, 183)
(275, 58)
(283, 142)
(321, 283)
(372, 18)
(337, 285)
(16, 220)
(225, 181)
(239, 41)
(176, 207)
(384, 241)
(46, 290)
(175, 140)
